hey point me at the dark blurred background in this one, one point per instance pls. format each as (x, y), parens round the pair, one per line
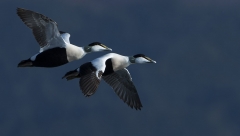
(193, 90)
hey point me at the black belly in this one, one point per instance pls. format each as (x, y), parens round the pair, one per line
(51, 58)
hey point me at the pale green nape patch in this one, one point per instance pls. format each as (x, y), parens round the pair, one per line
(87, 49)
(131, 59)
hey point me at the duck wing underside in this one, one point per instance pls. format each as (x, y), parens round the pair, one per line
(122, 84)
(44, 29)
(89, 82)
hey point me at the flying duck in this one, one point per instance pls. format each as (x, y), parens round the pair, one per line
(112, 68)
(55, 47)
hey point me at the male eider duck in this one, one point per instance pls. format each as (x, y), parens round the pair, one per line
(55, 47)
(112, 68)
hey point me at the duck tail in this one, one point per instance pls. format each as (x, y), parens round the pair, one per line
(25, 63)
(72, 74)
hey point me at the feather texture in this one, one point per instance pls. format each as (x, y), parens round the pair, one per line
(88, 81)
(44, 29)
(122, 84)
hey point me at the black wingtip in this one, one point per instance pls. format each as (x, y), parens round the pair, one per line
(136, 107)
(20, 9)
(87, 95)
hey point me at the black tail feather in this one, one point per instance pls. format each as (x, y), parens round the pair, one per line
(25, 63)
(71, 75)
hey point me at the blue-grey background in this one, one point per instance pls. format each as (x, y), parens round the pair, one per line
(193, 90)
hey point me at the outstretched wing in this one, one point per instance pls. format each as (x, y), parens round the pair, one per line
(122, 84)
(44, 29)
(89, 82)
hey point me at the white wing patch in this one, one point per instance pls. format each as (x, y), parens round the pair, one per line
(65, 37)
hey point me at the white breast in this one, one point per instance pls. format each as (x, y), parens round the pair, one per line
(74, 52)
(120, 62)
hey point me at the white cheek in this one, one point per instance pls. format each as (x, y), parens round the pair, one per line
(141, 60)
(97, 48)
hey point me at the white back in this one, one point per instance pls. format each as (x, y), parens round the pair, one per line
(118, 62)
(99, 63)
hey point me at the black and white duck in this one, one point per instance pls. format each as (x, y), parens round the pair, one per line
(112, 68)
